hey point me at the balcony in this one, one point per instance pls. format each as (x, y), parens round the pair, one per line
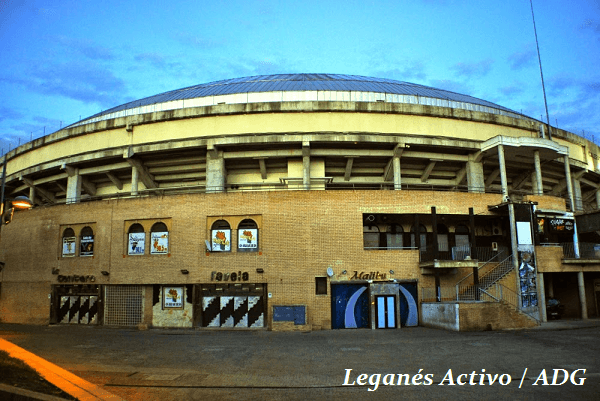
(458, 256)
(588, 253)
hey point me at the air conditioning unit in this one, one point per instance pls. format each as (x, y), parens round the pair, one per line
(496, 229)
(495, 246)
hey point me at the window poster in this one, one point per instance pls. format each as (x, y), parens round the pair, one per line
(160, 243)
(172, 297)
(221, 240)
(248, 239)
(68, 248)
(86, 246)
(136, 243)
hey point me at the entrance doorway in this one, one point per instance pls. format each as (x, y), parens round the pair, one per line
(386, 311)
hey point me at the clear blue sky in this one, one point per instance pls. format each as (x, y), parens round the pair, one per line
(62, 60)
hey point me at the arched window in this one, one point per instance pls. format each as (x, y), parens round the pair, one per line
(461, 236)
(247, 236)
(422, 236)
(442, 233)
(137, 240)
(86, 242)
(68, 243)
(159, 239)
(371, 237)
(394, 236)
(221, 236)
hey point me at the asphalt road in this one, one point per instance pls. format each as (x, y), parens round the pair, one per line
(246, 365)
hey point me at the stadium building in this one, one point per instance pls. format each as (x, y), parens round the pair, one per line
(302, 202)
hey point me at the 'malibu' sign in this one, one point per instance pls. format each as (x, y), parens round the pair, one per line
(368, 276)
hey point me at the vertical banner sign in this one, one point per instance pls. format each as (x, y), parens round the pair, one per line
(172, 297)
(68, 249)
(221, 240)
(86, 246)
(137, 243)
(248, 240)
(526, 248)
(160, 243)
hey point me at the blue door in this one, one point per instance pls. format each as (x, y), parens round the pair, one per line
(349, 306)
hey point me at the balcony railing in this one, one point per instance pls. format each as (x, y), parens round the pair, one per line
(587, 250)
(458, 253)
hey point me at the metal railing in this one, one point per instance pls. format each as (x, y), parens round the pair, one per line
(587, 250)
(494, 293)
(482, 254)
(500, 255)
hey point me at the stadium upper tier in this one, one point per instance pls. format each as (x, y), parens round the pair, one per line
(300, 87)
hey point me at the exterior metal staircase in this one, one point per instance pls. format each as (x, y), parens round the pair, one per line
(470, 292)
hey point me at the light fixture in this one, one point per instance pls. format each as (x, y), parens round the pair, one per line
(259, 270)
(22, 202)
(391, 272)
(1, 266)
(344, 271)
(184, 271)
(55, 270)
(104, 272)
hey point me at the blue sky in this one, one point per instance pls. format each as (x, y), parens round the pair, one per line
(60, 61)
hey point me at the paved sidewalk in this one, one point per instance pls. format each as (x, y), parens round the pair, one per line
(187, 364)
(66, 381)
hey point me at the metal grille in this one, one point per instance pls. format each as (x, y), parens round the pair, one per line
(123, 305)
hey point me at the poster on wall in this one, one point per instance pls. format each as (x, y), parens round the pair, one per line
(160, 243)
(86, 246)
(136, 243)
(221, 240)
(68, 248)
(558, 225)
(248, 240)
(172, 297)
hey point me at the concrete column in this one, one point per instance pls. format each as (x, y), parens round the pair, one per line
(598, 199)
(32, 194)
(569, 183)
(578, 197)
(306, 165)
(539, 187)
(582, 301)
(503, 177)
(397, 176)
(73, 186)
(475, 178)
(215, 171)
(514, 249)
(541, 297)
(135, 178)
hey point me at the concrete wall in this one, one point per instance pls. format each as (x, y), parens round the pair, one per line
(441, 315)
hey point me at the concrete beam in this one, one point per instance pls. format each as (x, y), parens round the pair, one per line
(518, 182)
(144, 175)
(388, 171)
(104, 169)
(88, 186)
(348, 172)
(115, 180)
(492, 177)
(436, 156)
(263, 168)
(45, 194)
(460, 176)
(427, 171)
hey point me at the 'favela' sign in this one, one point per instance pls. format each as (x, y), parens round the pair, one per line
(368, 276)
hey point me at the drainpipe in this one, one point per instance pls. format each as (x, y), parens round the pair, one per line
(572, 200)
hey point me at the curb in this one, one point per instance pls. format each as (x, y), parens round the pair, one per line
(61, 378)
(9, 393)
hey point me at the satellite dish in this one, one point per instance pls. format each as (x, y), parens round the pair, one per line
(207, 242)
(329, 271)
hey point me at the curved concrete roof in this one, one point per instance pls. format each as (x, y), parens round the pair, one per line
(293, 87)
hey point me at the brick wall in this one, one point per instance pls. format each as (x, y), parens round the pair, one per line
(302, 234)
